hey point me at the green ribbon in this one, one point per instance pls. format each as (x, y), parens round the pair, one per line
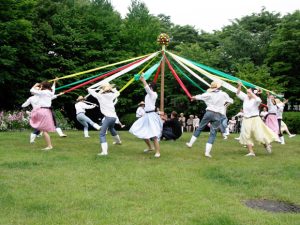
(187, 77)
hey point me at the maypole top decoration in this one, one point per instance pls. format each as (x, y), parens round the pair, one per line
(163, 39)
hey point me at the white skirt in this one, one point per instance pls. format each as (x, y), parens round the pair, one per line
(148, 126)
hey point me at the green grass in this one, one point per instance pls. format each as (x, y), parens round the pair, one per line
(71, 185)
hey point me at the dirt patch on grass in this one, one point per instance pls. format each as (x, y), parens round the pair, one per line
(273, 206)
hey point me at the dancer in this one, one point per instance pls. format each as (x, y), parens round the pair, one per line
(280, 107)
(149, 125)
(80, 107)
(42, 117)
(264, 113)
(224, 123)
(34, 102)
(140, 110)
(106, 97)
(215, 99)
(271, 118)
(57, 128)
(252, 126)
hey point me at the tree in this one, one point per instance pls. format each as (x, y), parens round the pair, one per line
(284, 53)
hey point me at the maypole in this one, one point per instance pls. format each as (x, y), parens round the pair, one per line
(163, 39)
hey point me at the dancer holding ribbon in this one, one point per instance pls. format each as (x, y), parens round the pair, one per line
(150, 125)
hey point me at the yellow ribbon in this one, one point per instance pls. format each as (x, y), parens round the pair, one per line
(98, 68)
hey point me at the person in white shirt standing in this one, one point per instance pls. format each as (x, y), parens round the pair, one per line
(252, 126)
(106, 97)
(215, 100)
(80, 107)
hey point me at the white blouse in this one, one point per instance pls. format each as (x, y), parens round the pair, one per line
(150, 99)
(250, 105)
(106, 102)
(45, 97)
(215, 100)
(81, 107)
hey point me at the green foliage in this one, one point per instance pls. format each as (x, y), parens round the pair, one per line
(283, 55)
(128, 119)
(63, 122)
(260, 76)
(43, 39)
(292, 120)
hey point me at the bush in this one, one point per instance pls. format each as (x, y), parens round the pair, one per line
(19, 120)
(14, 120)
(292, 120)
(62, 121)
(128, 119)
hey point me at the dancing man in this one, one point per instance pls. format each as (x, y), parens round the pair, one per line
(216, 101)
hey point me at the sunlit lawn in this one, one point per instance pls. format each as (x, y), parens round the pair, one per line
(72, 185)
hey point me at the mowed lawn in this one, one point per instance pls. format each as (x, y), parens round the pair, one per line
(72, 185)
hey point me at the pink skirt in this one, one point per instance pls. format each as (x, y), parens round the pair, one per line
(42, 119)
(272, 123)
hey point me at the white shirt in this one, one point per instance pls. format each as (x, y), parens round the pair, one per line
(45, 97)
(150, 99)
(279, 112)
(106, 102)
(250, 106)
(33, 101)
(271, 107)
(215, 100)
(140, 112)
(81, 107)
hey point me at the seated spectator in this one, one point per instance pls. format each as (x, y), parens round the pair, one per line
(171, 128)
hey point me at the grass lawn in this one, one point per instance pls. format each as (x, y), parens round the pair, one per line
(72, 185)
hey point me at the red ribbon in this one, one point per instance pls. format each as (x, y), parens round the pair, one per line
(178, 79)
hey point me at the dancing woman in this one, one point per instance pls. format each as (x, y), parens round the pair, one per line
(106, 97)
(42, 117)
(252, 126)
(150, 125)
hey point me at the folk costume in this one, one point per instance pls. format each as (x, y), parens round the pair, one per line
(271, 118)
(253, 128)
(215, 100)
(81, 107)
(150, 125)
(106, 97)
